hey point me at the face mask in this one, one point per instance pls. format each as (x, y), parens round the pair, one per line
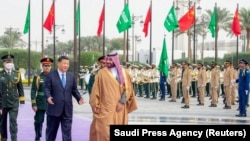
(9, 66)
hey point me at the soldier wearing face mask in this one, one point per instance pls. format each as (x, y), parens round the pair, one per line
(11, 89)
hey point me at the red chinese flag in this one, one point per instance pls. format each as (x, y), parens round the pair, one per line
(147, 20)
(101, 20)
(48, 24)
(236, 23)
(187, 20)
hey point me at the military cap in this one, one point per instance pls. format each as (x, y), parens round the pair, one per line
(213, 63)
(200, 63)
(46, 60)
(227, 61)
(178, 64)
(7, 57)
(243, 61)
(185, 63)
(147, 65)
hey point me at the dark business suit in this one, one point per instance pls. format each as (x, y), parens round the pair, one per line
(62, 110)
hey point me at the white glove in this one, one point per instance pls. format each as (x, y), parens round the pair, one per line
(215, 87)
(187, 87)
(246, 92)
(202, 85)
(233, 81)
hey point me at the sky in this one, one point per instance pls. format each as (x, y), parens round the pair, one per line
(13, 14)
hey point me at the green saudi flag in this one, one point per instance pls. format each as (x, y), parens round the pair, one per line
(163, 65)
(78, 18)
(171, 22)
(212, 24)
(27, 21)
(125, 20)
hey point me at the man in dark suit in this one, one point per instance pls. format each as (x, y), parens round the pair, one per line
(59, 87)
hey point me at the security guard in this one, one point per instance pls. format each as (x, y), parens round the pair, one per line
(37, 96)
(11, 88)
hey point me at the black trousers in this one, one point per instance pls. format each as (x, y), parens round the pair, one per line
(53, 123)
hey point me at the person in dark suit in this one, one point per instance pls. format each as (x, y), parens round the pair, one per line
(38, 99)
(59, 87)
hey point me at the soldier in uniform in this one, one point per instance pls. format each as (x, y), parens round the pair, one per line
(81, 77)
(214, 83)
(186, 82)
(11, 89)
(228, 77)
(38, 99)
(102, 64)
(201, 83)
(243, 87)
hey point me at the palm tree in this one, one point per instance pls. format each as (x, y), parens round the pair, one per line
(12, 39)
(245, 24)
(223, 18)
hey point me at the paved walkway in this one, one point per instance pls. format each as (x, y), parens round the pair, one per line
(148, 112)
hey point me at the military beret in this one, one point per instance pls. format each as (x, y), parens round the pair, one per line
(46, 60)
(7, 57)
(243, 61)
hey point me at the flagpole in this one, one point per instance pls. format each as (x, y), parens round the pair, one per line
(54, 37)
(127, 40)
(216, 36)
(75, 43)
(194, 48)
(29, 53)
(79, 36)
(103, 40)
(237, 43)
(150, 42)
(42, 43)
(172, 60)
(124, 40)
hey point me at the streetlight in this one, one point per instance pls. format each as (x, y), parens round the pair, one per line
(134, 37)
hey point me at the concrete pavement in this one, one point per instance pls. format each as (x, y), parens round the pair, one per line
(165, 112)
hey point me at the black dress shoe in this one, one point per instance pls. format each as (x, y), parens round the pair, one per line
(200, 104)
(140, 96)
(172, 100)
(241, 115)
(162, 99)
(153, 98)
(185, 107)
(213, 105)
(227, 107)
(146, 97)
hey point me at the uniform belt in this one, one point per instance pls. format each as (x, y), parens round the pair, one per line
(40, 93)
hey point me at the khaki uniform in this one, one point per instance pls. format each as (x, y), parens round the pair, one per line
(186, 83)
(201, 83)
(228, 77)
(173, 82)
(215, 83)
